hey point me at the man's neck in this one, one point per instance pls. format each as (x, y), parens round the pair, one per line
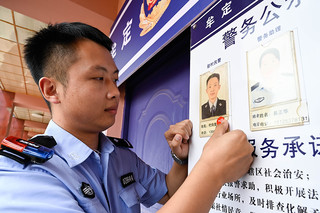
(214, 102)
(91, 139)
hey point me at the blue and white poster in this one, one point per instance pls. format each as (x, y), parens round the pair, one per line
(258, 61)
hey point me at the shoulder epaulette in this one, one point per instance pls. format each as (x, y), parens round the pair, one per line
(255, 86)
(119, 142)
(44, 140)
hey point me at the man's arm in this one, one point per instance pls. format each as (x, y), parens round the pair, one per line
(226, 157)
(177, 137)
(33, 191)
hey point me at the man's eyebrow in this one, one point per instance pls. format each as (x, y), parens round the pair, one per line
(105, 69)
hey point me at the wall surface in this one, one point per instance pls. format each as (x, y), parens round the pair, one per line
(95, 13)
(6, 100)
(16, 125)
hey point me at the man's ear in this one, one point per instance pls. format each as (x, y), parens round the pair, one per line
(48, 87)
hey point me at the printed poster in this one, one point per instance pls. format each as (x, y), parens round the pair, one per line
(255, 64)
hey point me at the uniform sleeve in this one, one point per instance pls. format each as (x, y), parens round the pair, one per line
(154, 181)
(33, 191)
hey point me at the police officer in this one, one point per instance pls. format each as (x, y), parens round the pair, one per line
(89, 172)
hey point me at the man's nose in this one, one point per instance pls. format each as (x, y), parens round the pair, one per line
(113, 91)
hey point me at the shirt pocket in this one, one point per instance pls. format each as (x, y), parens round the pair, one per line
(93, 205)
(131, 195)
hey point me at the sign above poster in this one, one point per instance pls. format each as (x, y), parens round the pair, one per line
(143, 27)
(218, 16)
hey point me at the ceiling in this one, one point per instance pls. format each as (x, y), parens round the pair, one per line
(14, 74)
(15, 28)
(107, 8)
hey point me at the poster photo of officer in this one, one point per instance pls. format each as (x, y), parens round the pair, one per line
(272, 73)
(275, 96)
(214, 93)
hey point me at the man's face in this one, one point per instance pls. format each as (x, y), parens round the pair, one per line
(90, 100)
(213, 88)
(269, 66)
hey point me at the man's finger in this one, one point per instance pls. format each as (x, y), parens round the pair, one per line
(177, 138)
(220, 129)
(185, 128)
(176, 141)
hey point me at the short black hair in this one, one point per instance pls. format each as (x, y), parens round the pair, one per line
(273, 51)
(51, 51)
(214, 75)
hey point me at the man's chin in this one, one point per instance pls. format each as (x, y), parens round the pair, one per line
(212, 100)
(107, 125)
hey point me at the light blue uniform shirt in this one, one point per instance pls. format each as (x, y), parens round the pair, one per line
(55, 186)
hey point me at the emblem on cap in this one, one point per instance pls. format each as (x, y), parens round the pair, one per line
(87, 190)
(258, 100)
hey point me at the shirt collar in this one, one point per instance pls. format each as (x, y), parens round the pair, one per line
(68, 146)
(106, 145)
(215, 103)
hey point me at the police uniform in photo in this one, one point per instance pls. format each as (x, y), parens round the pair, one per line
(214, 110)
(78, 179)
(260, 96)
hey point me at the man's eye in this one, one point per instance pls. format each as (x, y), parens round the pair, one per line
(116, 80)
(99, 78)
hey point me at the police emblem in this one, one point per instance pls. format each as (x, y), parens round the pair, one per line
(150, 13)
(87, 190)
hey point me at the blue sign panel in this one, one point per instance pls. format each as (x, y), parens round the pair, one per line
(217, 17)
(143, 27)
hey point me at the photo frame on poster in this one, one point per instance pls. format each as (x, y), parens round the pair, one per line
(273, 85)
(214, 98)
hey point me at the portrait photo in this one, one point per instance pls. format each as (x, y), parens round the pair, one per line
(214, 93)
(275, 96)
(272, 72)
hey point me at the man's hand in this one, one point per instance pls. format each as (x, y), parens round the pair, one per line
(225, 158)
(228, 153)
(177, 137)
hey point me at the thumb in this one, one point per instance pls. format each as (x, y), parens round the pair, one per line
(220, 129)
(175, 143)
(177, 139)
